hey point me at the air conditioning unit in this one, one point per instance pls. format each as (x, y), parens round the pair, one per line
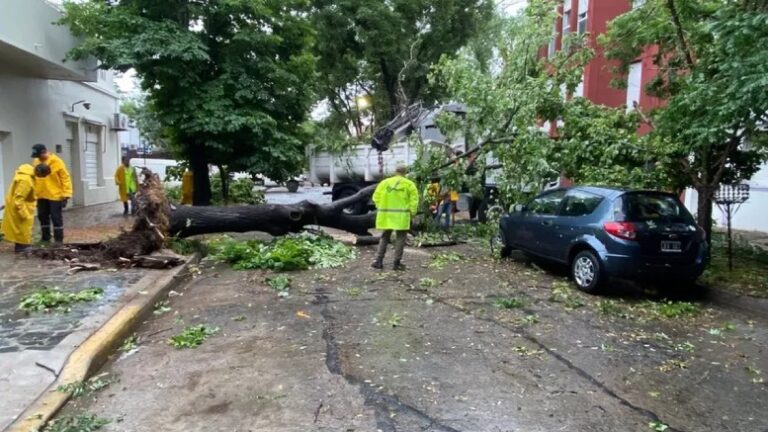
(120, 122)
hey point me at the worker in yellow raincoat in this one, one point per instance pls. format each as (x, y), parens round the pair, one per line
(20, 206)
(396, 200)
(186, 187)
(127, 182)
(53, 193)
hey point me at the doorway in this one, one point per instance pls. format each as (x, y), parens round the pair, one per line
(5, 139)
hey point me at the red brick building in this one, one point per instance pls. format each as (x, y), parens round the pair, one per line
(592, 17)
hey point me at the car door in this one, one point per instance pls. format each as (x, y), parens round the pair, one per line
(576, 219)
(537, 223)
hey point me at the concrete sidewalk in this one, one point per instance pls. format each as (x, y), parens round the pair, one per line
(34, 347)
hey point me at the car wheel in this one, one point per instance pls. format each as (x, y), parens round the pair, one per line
(586, 272)
(498, 247)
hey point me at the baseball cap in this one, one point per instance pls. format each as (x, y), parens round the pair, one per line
(37, 149)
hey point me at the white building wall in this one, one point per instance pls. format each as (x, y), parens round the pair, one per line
(750, 216)
(39, 111)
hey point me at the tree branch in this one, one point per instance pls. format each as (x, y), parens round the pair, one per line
(732, 146)
(680, 33)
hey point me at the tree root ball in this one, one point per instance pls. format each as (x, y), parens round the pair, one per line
(157, 221)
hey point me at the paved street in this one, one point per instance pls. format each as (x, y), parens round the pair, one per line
(312, 193)
(434, 349)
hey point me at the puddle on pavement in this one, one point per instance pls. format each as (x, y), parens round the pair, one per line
(21, 331)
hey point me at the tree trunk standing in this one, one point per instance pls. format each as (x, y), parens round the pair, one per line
(224, 176)
(270, 218)
(390, 86)
(198, 162)
(704, 210)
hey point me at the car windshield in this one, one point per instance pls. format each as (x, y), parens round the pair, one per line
(651, 207)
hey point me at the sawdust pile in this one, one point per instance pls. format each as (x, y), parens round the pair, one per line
(147, 235)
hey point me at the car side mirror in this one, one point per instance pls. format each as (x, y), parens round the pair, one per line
(519, 208)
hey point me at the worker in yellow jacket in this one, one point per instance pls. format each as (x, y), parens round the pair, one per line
(186, 187)
(127, 182)
(20, 206)
(53, 193)
(396, 200)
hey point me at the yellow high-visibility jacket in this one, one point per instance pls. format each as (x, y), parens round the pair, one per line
(126, 181)
(20, 203)
(396, 200)
(187, 187)
(56, 186)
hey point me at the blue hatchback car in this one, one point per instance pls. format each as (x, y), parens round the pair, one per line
(603, 232)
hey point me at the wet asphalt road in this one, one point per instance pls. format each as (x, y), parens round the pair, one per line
(431, 349)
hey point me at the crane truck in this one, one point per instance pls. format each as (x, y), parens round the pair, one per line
(365, 165)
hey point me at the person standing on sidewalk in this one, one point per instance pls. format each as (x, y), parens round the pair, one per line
(20, 206)
(396, 200)
(127, 182)
(187, 192)
(53, 193)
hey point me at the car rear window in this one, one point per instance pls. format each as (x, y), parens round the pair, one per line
(650, 207)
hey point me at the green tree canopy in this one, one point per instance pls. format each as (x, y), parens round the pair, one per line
(511, 95)
(231, 80)
(712, 60)
(385, 49)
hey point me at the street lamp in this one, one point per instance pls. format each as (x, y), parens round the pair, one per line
(86, 105)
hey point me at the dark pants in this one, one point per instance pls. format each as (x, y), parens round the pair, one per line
(386, 237)
(445, 209)
(50, 213)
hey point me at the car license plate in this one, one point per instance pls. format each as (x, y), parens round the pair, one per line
(671, 246)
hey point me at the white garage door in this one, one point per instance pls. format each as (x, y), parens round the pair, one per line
(92, 154)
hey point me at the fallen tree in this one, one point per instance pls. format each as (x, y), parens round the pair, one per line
(157, 221)
(273, 219)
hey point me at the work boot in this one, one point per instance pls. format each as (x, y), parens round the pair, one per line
(125, 209)
(378, 264)
(398, 266)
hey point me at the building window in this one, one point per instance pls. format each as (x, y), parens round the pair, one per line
(582, 25)
(566, 23)
(634, 85)
(552, 47)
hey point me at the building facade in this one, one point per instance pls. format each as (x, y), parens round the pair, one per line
(68, 106)
(592, 17)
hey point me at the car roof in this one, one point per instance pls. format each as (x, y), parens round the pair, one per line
(614, 191)
(606, 191)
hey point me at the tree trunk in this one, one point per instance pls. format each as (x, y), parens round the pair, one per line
(390, 86)
(198, 162)
(224, 176)
(272, 218)
(704, 210)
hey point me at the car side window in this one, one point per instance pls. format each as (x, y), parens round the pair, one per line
(547, 204)
(580, 203)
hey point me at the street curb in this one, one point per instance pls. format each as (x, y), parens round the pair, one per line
(86, 360)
